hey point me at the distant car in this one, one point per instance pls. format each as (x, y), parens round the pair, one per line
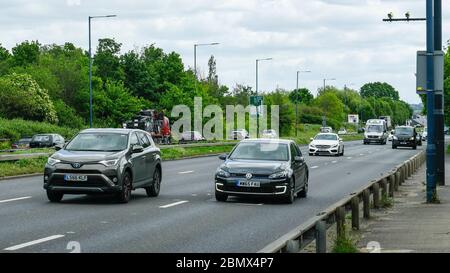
(261, 167)
(342, 131)
(405, 136)
(425, 134)
(239, 134)
(23, 143)
(270, 133)
(191, 136)
(101, 161)
(326, 130)
(419, 139)
(46, 140)
(326, 144)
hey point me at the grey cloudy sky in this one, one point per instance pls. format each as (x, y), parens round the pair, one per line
(342, 39)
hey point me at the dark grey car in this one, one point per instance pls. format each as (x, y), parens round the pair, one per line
(104, 161)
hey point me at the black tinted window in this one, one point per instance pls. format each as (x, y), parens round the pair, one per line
(134, 140)
(144, 140)
(293, 151)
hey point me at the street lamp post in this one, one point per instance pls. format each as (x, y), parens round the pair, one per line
(195, 55)
(257, 107)
(325, 82)
(90, 66)
(296, 100)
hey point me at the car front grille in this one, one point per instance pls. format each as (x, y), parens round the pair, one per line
(252, 190)
(323, 146)
(373, 137)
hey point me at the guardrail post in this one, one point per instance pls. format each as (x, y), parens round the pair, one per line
(321, 237)
(355, 213)
(340, 221)
(366, 203)
(403, 168)
(384, 189)
(292, 246)
(376, 195)
(397, 180)
(391, 185)
(408, 170)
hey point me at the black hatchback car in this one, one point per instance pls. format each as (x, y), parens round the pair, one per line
(46, 140)
(100, 161)
(263, 167)
(405, 136)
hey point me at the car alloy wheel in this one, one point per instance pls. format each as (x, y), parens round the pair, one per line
(125, 193)
(154, 189)
(290, 194)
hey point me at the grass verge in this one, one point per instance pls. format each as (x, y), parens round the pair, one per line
(29, 151)
(448, 149)
(345, 243)
(182, 152)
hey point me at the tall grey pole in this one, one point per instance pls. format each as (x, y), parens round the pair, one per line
(296, 107)
(431, 147)
(90, 75)
(257, 106)
(195, 62)
(439, 100)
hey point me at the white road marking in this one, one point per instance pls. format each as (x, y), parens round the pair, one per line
(173, 204)
(15, 199)
(248, 204)
(314, 167)
(361, 154)
(194, 194)
(349, 157)
(186, 172)
(35, 242)
(334, 162)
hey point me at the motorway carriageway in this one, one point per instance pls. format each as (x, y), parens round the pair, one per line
(185, 217)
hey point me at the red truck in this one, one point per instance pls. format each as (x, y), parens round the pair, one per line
(154, 122)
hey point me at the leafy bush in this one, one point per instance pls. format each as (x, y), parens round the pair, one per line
(16, 128)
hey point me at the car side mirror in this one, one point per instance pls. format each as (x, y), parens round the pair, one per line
(311, 139)
(299, 159)
(59, 147)
(137, 149)
(223, 156)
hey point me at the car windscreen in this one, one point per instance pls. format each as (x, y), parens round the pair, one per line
(41, 138)
(404, 131)
(101, 142)
(261, 151)
(326, 137)
(375, 129)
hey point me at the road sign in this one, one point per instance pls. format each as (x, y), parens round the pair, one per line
(421, 75)
(256, 100)
(354, 119)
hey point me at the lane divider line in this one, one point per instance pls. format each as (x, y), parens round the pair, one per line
(314, 167)
(186, 172)
(35, 242)
(173, 204)
(15, 199)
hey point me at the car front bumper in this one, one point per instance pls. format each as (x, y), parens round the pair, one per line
(268, 187)
(100, 179)
(404, 143)
(329, 151)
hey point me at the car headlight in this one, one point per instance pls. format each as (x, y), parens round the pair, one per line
(335, 146)
(278, 175)
(312, 145)
(222, 173)
(109, 163)
(394, 137)
(52, 161)
(411, 138)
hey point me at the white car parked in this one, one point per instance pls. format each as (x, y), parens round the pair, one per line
(326, 144)
(342, 131)
(270, 133)
(191, 136)
(239, 134)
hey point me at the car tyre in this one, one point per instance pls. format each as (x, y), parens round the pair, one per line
(290, 193)
(125, 193)
(394, 147)
(155, 188)
(221, 197)
(54, 197)
(414, 147)
(304, 192)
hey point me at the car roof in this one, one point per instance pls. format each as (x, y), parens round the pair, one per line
(410, 127)
(327, 134)
(109, 130)
(268, 140)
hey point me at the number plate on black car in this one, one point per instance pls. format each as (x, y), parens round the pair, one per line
(249, 184)
(75, 177)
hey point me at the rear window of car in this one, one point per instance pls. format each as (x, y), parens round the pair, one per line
(41, 138)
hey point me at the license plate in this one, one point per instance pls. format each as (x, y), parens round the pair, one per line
(249, 184)
(403, 143)
(75, 177)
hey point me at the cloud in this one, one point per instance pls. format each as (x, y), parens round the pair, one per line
(344, 39)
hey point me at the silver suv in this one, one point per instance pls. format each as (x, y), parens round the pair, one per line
(104, 161)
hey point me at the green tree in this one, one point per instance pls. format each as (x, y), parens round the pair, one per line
(379, 90)
(22, 97)
(302, 95)
(331, 105)
(280, 98)
(107, 60)
(4, 53)
(26, 53)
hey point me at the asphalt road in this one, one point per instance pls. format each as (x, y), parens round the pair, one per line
(185, 217)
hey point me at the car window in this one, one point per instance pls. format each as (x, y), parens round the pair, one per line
(143, 139)
(134, 140)
(293, 151)
(150, 139)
